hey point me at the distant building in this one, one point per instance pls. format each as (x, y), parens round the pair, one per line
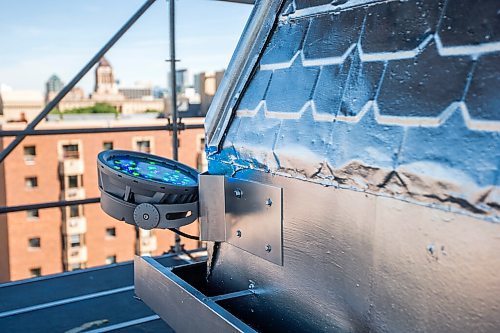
(181, 80)
(195, 101)
(53, 86)
(124, 100)
(63, 167)
(208, 83)
(137, 92)
(16, 105)
(159, 92)
(105, 84)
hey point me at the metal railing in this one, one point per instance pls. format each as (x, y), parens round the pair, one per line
(173, 126)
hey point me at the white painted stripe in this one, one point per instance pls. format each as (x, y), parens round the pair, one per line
(281, 65)
(82, 271)
(124, 324)
(310, 11)
(473, 51)
(397, 55)
(461, 50)
(473, 124)
(329, 60)
(64, 301)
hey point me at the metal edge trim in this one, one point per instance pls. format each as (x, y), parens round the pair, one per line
(241, 66)
(222, 313)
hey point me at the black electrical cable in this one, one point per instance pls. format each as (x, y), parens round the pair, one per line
(180, 233)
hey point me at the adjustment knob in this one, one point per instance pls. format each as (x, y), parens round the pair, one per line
(146, 216)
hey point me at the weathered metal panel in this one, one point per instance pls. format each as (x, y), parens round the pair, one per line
(379, 119)
(354, 262)
(378, 96)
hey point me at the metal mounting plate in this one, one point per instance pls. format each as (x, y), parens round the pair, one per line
(254, 218)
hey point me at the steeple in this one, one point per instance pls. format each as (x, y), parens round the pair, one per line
(104, 78)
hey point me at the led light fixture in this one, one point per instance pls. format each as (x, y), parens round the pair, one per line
(147, 190)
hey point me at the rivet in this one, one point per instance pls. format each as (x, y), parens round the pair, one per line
(238, 233)
(269, 202)
(268, 248)
(238, 193)
(251, 284)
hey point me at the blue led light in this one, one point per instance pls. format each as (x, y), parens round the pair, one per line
(145, 168)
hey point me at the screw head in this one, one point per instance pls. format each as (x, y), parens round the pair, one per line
(145, 216)
(238, 233)
(238, 193)
(268, 248)
(269, 202)
(251, 284)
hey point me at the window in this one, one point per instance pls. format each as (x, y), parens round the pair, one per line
(143, 146)
(75, 240)
(75, 267)
(29, 153)
(108, 145)
(37, 271)
(34, 243)
(110, 260)
(32, 214)
(110, 232)
(74, 181)
(31, 182)
(71, 152)
(74, 211)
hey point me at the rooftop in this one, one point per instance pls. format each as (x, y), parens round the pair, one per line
(93, 300)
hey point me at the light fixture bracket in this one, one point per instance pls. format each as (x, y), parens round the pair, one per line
(243, 213)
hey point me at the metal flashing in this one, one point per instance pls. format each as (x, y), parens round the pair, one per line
(240, 69)
(254, 218)
(246, 214)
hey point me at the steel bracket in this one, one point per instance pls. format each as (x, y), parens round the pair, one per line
(246, 214)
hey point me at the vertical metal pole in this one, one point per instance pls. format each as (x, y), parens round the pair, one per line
(173, 100)
(173, 81)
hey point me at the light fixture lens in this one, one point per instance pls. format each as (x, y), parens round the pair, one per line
(149, 169)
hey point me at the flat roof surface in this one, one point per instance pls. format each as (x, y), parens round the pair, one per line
(93, 300)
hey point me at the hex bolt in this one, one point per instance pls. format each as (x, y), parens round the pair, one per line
(238, 193)
(238, 233)
(268, 248)
(269, 202)
(145, 216)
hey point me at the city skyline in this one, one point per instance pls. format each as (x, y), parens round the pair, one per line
(42, 41)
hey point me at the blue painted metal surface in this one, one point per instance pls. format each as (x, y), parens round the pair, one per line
(394, 98)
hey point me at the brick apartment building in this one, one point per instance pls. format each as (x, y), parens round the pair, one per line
(63, 167)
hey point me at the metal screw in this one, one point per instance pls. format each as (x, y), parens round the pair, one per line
(238, 233)
(268, 248)
(145, 216)
(269, 202)
(251, 284)
(238, 193)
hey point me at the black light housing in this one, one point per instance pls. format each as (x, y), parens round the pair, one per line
(147, 190)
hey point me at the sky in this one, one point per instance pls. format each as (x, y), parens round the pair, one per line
(41, 38)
